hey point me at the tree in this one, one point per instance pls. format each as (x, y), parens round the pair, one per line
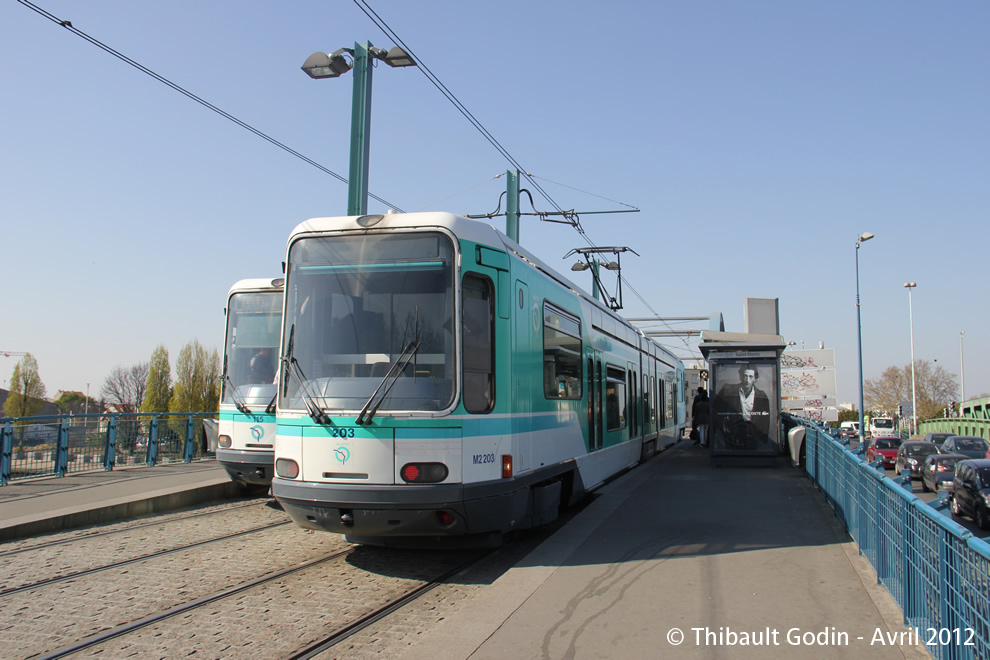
(75, 403)
(197, 380)
(125, 387)
(934, 386)
(158, 390)
(27, 392)
(848, 416)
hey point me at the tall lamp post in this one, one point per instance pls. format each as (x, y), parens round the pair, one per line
(914, 391)
(859, 334)
(331, 65)
(962, 366)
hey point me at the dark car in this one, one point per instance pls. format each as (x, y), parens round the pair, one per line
(911, 456)
(970, 445)
(938, 471)
(885, 447)
(937, 438)
(971, 491)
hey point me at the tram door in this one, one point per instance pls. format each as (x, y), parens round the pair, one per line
(595, 394)
(633, 415)
(526, 365)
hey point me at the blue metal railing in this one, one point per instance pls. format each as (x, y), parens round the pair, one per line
(54, 445)
(937, 572)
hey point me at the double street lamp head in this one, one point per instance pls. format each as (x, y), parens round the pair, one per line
(332, 65)
(909, 285)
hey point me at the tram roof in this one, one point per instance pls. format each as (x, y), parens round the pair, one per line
(472, 230)
(256, 284)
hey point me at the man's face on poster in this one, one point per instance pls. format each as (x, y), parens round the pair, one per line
(747, 379)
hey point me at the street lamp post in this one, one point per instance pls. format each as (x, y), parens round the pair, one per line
(332, 65)
(914, 391)
(859, 334)
(962, 366)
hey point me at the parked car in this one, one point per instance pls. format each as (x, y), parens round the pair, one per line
(911, 456)
(937, 438)
(970, 445)
(971, 491)
(938, 471)
(885, 447)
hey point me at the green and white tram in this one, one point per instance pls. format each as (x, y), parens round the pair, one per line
(246, 425)
(439, 380)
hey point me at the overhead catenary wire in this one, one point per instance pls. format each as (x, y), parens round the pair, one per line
(571, 216)
(422, 66)
(391, 34)
(165, 81)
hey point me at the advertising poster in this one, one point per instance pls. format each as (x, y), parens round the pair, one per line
(745, 415)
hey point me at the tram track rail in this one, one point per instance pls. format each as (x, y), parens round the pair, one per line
(287, 591)
(134, 560)
(383, 611)
(360, 587)
(182, 609)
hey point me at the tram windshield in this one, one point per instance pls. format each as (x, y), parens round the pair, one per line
(254, 319)
(354, 305)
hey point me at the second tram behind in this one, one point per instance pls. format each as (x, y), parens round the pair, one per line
(246, 425)
(439, 380)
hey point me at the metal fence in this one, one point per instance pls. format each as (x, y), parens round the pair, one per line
(958, 426)
(936, 570)
(55, 445)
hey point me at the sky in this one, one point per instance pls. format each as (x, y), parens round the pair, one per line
(757, 139)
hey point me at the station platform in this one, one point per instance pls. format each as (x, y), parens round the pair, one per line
(37, 506)
(680, 559)
(676, 559)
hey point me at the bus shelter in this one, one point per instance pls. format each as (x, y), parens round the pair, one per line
(744, 397)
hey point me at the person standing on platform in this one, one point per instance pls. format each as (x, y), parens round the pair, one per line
(699, 417)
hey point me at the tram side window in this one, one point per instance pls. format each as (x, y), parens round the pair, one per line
(479, 345)
(615, 398)
(562, 377)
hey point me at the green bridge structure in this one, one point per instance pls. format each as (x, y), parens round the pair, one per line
(973, 419)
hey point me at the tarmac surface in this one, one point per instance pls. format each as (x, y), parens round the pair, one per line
(675, 559)
(679, 559)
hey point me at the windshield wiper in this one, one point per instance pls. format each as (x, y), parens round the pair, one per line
(239, 402)
(388, 380)
(292, 367)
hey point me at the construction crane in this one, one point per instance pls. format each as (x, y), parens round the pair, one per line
(11, 353)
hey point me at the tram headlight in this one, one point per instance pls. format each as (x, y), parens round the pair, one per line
(286, 468)
(424, 473)
(224, 441)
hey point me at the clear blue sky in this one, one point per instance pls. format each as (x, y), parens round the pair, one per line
(759, 139)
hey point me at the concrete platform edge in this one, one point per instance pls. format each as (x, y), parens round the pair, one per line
(155, 503)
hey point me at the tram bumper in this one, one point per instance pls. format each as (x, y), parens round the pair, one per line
(403, 511)
(249, 467)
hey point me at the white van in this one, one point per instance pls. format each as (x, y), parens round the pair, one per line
(852, 426)
(881, 425)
